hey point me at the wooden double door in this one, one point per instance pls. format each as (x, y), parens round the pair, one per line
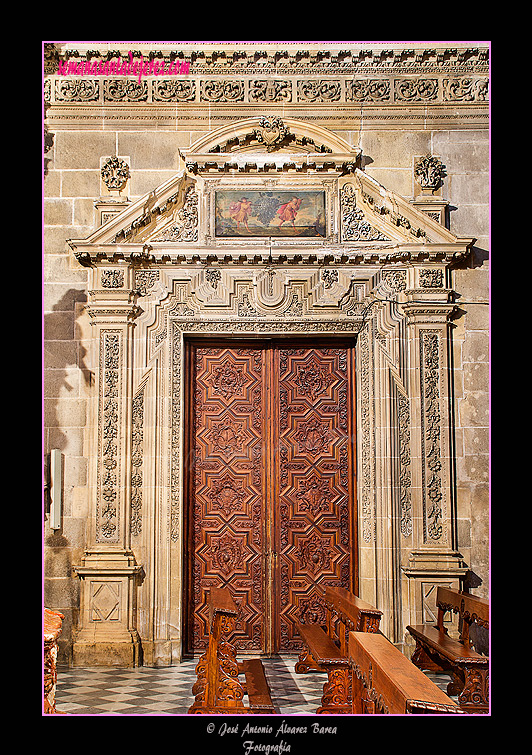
(270, 485)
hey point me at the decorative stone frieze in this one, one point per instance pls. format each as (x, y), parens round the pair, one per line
(443, 74)
(278, 57)
(171, 90)
(137, 461)
(76, 90)
(385, 92)
(125, 90)
(431, 420)
(270, 90)
(220, 90)
(405, 482)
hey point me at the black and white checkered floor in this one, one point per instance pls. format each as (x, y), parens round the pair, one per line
(167, 691)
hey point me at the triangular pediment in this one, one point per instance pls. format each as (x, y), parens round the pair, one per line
(256, 155)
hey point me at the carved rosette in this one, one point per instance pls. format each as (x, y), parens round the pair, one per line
(227, 380)
(314, 495)
(313, 437)
(314, 554)
(312, 380)
(227, 494)
(227, 553)
(227, 437)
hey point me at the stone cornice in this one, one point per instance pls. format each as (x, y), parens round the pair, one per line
(297, 57)
(167, 253)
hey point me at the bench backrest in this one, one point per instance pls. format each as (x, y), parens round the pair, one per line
(470, 609)
(362, 616)
(217, 683)
(385, 681)
(220, 602)
(347, 612)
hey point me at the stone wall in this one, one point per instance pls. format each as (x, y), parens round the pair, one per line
(465, 153)
(390, 143)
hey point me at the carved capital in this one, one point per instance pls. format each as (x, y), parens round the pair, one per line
(428, 312)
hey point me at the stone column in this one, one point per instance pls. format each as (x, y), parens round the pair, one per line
(433, 559)
(107, 634)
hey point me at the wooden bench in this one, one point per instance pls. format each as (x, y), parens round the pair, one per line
(384, 681)
(344, 612)
(436, 651)
(327, 656)
(327, 648)
(348, 613)
(218, 688)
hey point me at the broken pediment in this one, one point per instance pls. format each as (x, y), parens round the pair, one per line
(270, 187)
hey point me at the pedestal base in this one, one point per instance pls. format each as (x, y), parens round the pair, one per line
(107, 635)
(123, 653)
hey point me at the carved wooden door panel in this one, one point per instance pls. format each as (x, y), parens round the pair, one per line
(314, 529)
(271, 489)
(228, 519)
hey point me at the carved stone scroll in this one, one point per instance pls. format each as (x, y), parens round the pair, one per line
(431, 438)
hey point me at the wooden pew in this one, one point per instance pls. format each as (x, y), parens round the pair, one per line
(327, 649)
(327, 656)
(384, 681)
(344, 613)
(218, 688)
(348, 613)
(436, 651)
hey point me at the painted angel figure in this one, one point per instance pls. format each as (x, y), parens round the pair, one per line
(287, 212)
(239, 211)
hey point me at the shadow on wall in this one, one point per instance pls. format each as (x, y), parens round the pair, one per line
(62, 351)
(64, 368)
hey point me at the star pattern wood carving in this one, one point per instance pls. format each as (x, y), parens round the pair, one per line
(271, 486)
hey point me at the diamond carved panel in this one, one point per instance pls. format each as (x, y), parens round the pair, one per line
(105, 601)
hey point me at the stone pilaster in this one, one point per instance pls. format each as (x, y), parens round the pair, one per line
(109, 572)
(433, 559)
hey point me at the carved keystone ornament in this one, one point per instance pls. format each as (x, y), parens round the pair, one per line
(272, 132)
